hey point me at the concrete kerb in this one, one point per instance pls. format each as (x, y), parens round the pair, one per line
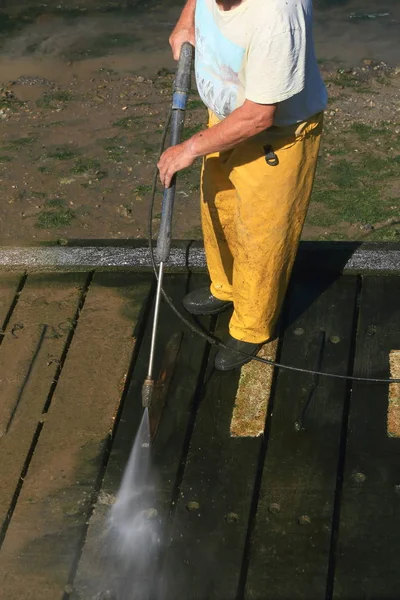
(340, 257)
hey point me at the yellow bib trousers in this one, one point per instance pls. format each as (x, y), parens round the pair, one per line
(252, 217)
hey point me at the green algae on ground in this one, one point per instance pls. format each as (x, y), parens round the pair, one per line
(65, 152)
(20, 143)
(85, 165)
(52, 100)
(55, 215)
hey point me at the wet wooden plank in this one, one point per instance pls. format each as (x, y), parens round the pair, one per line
(289, 554)
(181, 402)
(45, 532)
(9, 283)
(30, 358)
(210, 524)
(369, 542)
(98, 570)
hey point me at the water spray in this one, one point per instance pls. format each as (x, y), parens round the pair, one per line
(134, 536)
(181, 91)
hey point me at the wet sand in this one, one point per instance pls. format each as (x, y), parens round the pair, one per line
(352, 31)
(85, 98)
(345, 32)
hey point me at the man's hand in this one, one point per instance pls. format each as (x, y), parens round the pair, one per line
(179, 36)
(244, 122)
(184, 29)
(173, 160)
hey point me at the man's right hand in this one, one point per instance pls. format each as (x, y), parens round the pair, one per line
(178, 37)
(184, 29)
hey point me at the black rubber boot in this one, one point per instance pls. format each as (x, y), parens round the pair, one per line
(202, 302)
(226, 360)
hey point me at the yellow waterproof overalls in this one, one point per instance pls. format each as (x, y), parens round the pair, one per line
(252, 216)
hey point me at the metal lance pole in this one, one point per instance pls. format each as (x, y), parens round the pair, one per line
(180, 94)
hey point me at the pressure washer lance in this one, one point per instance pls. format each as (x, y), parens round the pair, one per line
(179, 100)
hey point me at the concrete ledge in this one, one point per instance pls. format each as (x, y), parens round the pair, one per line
(349, 257)
(338, 257)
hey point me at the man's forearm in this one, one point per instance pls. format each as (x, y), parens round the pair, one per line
(184, 29)
(187, 15)
(243, 123)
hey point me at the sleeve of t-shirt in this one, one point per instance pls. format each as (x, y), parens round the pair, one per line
(275, 69)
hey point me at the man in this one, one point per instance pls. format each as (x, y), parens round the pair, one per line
(257, 73)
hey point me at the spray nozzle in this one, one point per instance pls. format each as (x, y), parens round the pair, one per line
(147, 392)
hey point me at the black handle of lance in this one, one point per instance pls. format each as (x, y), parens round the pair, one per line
(179, 100)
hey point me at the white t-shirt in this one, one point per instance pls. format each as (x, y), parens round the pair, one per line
(261, 50)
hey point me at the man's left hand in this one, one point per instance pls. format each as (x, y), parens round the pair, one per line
(173, 160)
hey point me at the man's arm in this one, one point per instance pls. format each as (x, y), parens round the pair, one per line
(184, 29)
(244, 122)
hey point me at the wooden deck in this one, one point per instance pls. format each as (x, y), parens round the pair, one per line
(309, 510)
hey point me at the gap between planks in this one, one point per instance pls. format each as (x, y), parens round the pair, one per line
(10, 290)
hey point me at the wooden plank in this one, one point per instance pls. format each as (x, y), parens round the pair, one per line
(369, 541)
(289, 553)
(9, 283)
(393, 417)
(31, 354)
(169, 446)
(45, 533)
(253, 395)
(98, 568)
(212, 511)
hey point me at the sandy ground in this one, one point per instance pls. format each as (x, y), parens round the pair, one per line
(83, 100)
